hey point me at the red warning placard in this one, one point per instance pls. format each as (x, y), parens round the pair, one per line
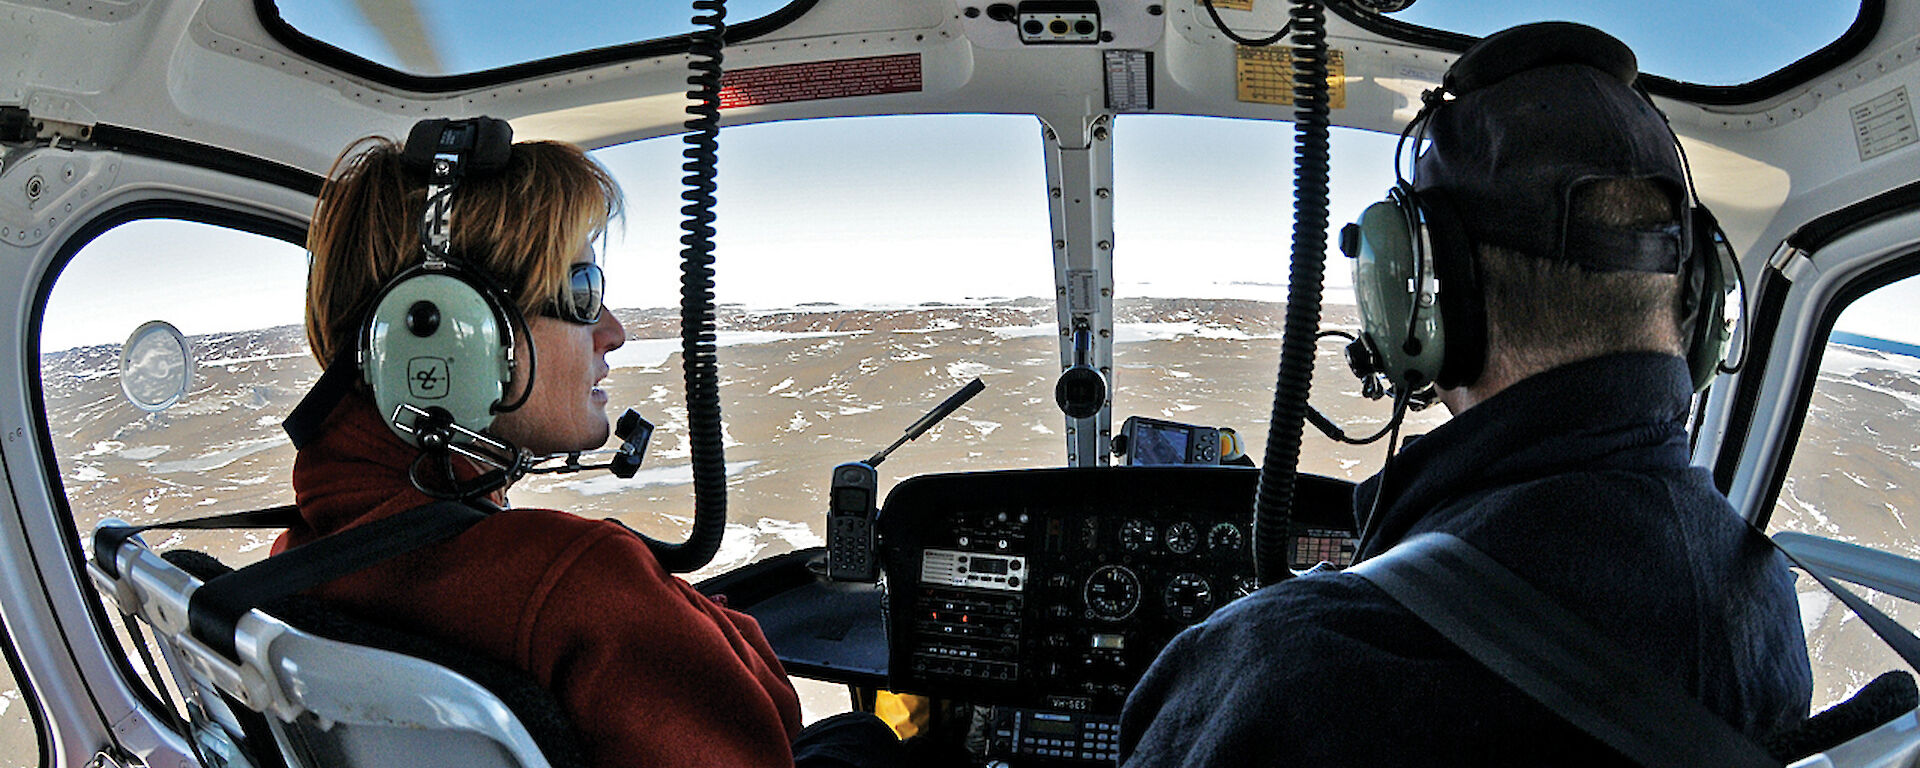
(811, 80)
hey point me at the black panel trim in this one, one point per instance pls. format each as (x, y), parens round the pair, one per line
(1819, 233)
(268, 13)
(1763, 323)
(134, 141)
(1850, 44)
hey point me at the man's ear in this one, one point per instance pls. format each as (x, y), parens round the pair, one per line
(1456, 399)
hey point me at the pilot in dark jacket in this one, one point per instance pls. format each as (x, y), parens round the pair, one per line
(1566, 461)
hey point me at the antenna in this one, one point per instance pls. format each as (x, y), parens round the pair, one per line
(853, 503)
(933, 417)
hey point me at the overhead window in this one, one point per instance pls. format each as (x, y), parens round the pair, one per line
(447, 37)
(1701, 43)
(1855, 475)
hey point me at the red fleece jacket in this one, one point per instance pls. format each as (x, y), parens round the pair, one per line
(652, 672)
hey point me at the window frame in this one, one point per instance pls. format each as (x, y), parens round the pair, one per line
(29, 696)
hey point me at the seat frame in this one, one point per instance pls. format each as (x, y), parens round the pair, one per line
(328, 703)
(1894, 744)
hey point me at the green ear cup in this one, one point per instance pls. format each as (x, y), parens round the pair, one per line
(1711, 327)
(1385, 260)
(434, 341)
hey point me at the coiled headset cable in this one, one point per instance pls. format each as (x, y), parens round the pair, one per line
(699, 358)
(1273, 500)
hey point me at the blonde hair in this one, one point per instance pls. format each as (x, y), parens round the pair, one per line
(521, 227)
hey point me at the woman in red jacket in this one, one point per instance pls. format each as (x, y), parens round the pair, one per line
(650, 671)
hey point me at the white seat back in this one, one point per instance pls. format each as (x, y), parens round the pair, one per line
(328, 704)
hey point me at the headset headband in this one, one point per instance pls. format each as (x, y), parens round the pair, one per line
(1536, 112)
(1536, 46)
(438, 346)
(448, 150)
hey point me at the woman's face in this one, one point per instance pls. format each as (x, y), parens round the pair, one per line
(566, 411)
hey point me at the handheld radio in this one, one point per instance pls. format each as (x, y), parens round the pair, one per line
(853, 505)
(851, 512)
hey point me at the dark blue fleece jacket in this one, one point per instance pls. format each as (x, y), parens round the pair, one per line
(1578, 480)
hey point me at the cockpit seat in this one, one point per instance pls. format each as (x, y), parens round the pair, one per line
(1878, 720)
(332, 689)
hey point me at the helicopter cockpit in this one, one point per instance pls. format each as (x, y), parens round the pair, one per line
(1072, 238)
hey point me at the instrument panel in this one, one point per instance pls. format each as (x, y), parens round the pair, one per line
(1051, 591)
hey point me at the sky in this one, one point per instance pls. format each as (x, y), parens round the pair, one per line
(903, 210)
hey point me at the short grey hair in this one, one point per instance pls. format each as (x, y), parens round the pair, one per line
(1543, 313)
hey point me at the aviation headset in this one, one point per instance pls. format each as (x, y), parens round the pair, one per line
(437, 349)
(1422, 312)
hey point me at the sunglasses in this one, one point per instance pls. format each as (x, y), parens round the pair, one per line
(580, 299)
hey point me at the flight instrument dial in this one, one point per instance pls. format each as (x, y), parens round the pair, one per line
(1112, 593)
(1182, 538)
(1136, 535)
(1225, 537)
(1188, 597)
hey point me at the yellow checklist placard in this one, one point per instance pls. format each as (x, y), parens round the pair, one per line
(1228, 5)
(1265, 76)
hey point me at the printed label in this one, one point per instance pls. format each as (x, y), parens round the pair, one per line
(1265, 76)
(808, 81)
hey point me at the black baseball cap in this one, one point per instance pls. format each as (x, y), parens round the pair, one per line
(1536, 112)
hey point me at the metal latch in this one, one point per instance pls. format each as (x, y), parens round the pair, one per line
(18, 126)
(104, 759)
(1791, 262)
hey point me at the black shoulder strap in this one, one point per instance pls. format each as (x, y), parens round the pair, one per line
(1895, 636)
(108, 538)
(214, 610)
(1553, 656)
(304, 424)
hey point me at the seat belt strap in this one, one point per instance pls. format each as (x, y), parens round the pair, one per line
(215, 608)
(107, 539)
(1503, 622)
(309, 417)
(1895, 636)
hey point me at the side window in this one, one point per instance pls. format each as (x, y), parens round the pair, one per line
(19, 723)
(236, 299)
(216, 309)
(1854, 475)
